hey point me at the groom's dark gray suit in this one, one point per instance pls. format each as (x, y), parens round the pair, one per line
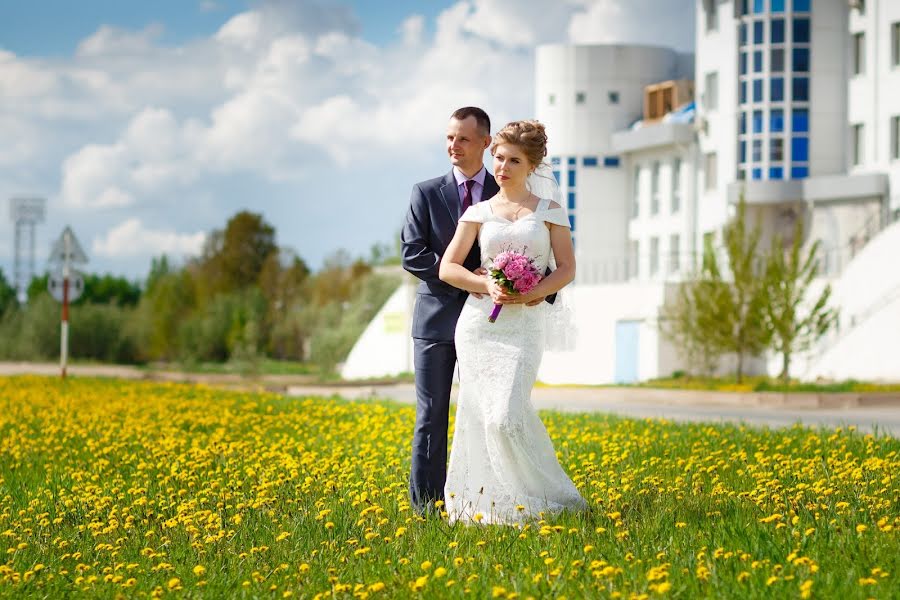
(434, 212)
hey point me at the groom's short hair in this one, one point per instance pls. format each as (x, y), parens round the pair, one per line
(481, 117)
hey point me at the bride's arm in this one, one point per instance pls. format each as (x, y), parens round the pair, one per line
(561, 243)
(452, 270)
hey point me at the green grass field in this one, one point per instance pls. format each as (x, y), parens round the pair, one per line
(111, 488)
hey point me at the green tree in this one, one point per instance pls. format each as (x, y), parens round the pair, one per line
(233, 259)
(797, 317)
(109, 289)
(7, 295)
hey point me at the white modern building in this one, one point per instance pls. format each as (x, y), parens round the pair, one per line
(797, 111)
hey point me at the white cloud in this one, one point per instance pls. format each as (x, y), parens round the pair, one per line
(669, 23)
(130, 238)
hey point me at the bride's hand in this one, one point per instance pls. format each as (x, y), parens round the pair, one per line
(500, 295)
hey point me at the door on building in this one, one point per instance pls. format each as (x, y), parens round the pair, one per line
(627, 351)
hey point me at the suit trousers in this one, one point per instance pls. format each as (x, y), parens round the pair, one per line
(434, 364)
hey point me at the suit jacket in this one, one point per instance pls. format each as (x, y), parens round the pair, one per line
(434, 211)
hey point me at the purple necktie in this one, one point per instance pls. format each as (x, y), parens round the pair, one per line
(467, 197)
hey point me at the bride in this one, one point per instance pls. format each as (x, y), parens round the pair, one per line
(503, 468)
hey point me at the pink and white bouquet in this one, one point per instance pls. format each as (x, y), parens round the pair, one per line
(516, 273)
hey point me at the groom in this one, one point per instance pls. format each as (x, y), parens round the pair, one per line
(434, 211)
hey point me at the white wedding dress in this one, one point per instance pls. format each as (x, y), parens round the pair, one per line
(503, 467)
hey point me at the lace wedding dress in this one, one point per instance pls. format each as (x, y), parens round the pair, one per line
(503, 466)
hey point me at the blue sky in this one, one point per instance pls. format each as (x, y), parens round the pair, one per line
(147, 124)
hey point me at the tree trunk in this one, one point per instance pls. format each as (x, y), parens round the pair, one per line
(785, 367)
(740, 367)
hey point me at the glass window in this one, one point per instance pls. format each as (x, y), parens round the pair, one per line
(801, 5)
(801, 31)
(756, 173)
(757, 90)
(800, 149)
(742, 34)
(799, 172)
(800, 120)
(711, 93)
(757, 61)
(776, 149)
(801, 89)
(572, 222)
(654, 255)
(742, 91)
(674, 251)
(580, 97)
(776, 120)
(742, 123)
(742, 151)
(556, 174)
(589, 161)
(777, 31)
(757, 150)
(742, 174)
(572, 161)
(636, 193)
(613, 97)
(743, 63)
(758, 32)
(571, 200)
(777, 60)
(801, 60)
(895, 137)
(895, 43)
(552, 99)
(859, 53)
(554, 160)
(654, 189)
(712, 15)
(777, 6)
(571, 178)
(610, 161)
(776, 89)
(757, 121)
(776, 173)
(676, 185)
(710, 169)
(759, 6)
(858, 140)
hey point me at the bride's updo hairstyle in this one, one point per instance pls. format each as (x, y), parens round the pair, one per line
(528, 135)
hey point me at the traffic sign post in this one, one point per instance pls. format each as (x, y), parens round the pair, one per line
(66, 285)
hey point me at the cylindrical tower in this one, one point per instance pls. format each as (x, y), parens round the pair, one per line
(583, 95)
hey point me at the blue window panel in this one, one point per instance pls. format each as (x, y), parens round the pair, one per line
(757, 121)
(759, 6)
(742, 127)
(745, 6)
(589, 161)
(800, 120)
(776, 89)
(799, 172)
(801, 60)
(757, 90)
(758, 32)
(573, 161)
(610, 161)
(776, 173)
(757, 150)
(777, 6)
(777, 31)
(556, 174)
(572, 222)
(776, 60)
(571, 200)
(756, 173)
(776, 120)
(743, 63)
(742, 87)
(742, 152)
(742, 34)
(801, 31)
(757, 61)
(801, 89)
(554, 160)
(800, 149)
(571, 178)
(801, 5)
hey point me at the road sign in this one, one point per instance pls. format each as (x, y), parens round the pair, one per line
(55, 286)
(67, 248)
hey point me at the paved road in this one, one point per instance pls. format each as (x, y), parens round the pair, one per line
(880, 419)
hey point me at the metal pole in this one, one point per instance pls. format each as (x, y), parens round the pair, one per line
(64, 332)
